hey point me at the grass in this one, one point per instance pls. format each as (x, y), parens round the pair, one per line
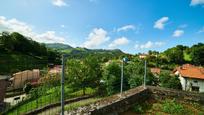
(168, 106)
(172, 107)
(53, 96)
(69, 107)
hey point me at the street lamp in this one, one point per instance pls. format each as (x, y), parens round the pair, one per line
(64, 56)
(121, 86)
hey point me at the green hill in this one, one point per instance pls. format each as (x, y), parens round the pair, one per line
(58, 46)
(80, 52)
(18, 53)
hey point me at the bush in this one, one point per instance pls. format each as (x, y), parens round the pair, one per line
(27, 88)
(171, 107)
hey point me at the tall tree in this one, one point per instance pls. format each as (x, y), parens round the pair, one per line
(197, 54)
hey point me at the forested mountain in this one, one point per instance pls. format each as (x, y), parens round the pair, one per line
(58, 46)
(18, 52)
(80, 52)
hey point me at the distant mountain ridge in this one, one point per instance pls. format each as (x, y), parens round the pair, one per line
(64, 48)
(58, 46)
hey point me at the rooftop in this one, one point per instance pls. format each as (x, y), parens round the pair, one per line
(191, 71)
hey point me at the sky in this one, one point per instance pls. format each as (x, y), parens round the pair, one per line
(130, 25)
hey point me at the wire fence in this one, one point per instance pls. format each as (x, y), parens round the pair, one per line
(37, 88)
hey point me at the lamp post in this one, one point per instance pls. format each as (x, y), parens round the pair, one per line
(121, 85)
(62, 83)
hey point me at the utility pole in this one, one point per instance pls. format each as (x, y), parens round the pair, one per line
(62, 85)
(121, 85)
(145, 74)
(122, 73)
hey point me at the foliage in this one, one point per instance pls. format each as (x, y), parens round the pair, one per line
(140, 108)
(135, 73)
(133, 76)
(27, 88)
(20, 53)
(111, 78)
(175, 54)
(168, 81)
(83, 73)
(172, 107)
(197, 54)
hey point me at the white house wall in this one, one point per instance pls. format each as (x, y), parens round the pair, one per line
(186, 83)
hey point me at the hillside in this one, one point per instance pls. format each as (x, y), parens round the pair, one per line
(58, 46)
(80, 52)
(21, 53)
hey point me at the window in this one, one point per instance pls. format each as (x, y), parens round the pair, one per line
(195, 81)
(195, 88)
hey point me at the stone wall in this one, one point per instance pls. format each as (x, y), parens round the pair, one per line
(114, 105)
(162, 93)
(123, 104)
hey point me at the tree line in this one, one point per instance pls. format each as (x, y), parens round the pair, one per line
(106, 77)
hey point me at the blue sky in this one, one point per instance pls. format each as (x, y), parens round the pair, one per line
(130, 25)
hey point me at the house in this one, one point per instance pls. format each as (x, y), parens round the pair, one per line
(21, 78)
(155, 71)
(191, 77)
(143, 56)
(3, 86)
(57, 69)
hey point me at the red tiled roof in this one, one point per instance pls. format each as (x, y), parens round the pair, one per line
(191, 71)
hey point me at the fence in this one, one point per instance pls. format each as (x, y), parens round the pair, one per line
(37, 89)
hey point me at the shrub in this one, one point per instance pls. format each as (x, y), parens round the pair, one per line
(171, 107)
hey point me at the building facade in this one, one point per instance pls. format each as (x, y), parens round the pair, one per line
(191, 77)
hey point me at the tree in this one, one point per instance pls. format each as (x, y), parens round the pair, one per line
(168, 81)
(83, 73)
(175, 55)
(135, 73)
(197, 54)
(111, 78)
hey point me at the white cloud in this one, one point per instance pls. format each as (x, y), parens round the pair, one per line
(119, 42)
(14, 25)
(201, 30)
(159, 24)
(148, 45)
(126, 27)
(197, 2)
(59, 3)
(49, 36)
(178, 33)
(97, 37)
(62, 26)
